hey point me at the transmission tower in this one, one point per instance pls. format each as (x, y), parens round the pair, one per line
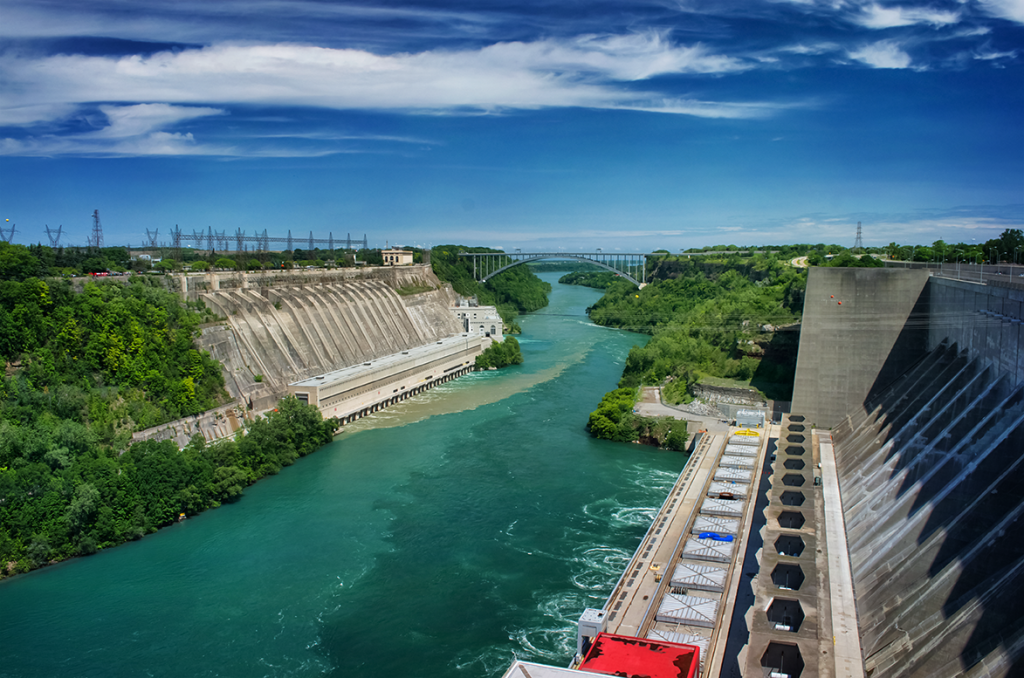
(311, 245)
(96, 240)
(151, 237)
(54, 236)
(176, 243)
(291, 243)
(6, 235)
(859, 244)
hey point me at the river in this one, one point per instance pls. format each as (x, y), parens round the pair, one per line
(442, 537)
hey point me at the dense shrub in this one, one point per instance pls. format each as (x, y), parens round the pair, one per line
(500, 354)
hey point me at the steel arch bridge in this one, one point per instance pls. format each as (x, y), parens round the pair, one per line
(632, 267)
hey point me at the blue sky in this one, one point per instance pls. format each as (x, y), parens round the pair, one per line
(571, 125)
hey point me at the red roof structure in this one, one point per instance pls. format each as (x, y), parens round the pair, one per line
(638, 658)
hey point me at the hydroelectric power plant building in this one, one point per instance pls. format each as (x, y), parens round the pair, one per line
(363, 389)
(876, 531)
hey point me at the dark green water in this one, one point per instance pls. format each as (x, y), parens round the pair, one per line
(472, 526)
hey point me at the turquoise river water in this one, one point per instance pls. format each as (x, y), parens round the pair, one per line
(445, 536)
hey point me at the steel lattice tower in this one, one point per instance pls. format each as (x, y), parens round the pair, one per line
(54, 236)
(859, 244)
(97, 230)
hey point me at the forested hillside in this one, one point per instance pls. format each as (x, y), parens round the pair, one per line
(515, 291)
(83, 371)
(708, 318)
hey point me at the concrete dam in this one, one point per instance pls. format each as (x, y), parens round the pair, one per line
(294, 327)
(922, 381)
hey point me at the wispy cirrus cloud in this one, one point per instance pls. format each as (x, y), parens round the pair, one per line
(588, 71)
(141, 129)
(1011, 10)
(876, 16)
(882, 54)
(129, 130)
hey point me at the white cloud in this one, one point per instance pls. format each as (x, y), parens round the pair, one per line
(31, 114)
(884, 54)
(1012, 10)
(140, 119)
(131, 130)
(876, 16)
(708, 109)
(154, 143)
(986, 53)
(586, 71)
(812, 49)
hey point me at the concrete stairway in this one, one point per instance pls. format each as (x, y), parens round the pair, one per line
(932, 479)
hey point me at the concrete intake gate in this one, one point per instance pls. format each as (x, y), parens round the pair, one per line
(922, 381)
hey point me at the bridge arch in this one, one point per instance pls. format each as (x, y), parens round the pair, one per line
(588, 258)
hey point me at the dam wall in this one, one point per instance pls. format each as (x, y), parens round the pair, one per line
(296, 327)
(984, 320)
(929, 461)
(854, 335)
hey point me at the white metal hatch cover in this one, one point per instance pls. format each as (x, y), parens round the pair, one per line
(699, 577)
(688, 610)
(716, 524)
(722, 507)
(708, 549)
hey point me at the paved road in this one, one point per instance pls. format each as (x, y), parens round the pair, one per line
(849, 661)
(650, 405)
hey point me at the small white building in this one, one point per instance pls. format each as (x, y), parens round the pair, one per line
(393, 257)
(478, 319)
